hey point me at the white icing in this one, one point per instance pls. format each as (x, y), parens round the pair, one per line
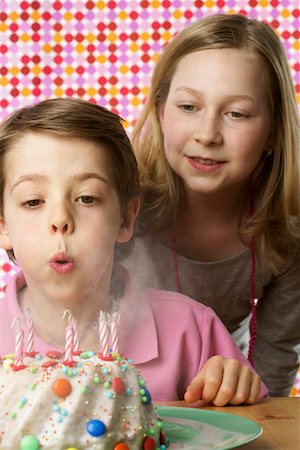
(30, 406)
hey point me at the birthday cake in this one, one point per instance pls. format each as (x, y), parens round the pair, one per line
(92, 403)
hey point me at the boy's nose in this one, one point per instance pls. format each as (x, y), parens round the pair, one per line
(61, 221)
(63, 228)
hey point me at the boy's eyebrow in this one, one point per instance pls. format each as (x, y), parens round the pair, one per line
(38, 178)
(29, 177)
(86, 175)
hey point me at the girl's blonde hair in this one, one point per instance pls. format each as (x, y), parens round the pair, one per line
(275, 183)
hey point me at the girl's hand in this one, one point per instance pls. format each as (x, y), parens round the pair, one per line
(224, 381)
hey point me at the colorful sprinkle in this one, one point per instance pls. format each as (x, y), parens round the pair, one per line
(53, 354)
(62, 387)
(149, 444)
(118, 385)
(96, 428)
(29, 442)
(121, 446)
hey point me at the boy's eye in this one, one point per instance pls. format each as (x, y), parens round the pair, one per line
(32, 203)
(87, 199)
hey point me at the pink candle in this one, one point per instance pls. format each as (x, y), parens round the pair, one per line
(103, 334)
(75, 335)
(30, 346)
(19, 342)
(69, 343)
(114, 329)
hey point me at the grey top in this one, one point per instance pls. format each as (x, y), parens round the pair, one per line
(225, 286)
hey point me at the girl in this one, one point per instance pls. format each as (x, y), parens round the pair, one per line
(217, 146)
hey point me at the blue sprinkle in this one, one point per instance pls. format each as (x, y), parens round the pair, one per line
(108, 394)
(128, 391)
(96, 428)
(146, 396)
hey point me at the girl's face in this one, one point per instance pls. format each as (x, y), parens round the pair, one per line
(62, 215)
(216, 119)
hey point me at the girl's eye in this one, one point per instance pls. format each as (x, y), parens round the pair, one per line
(187, 108)
(87, 199)
(236, 114)
(32, 203)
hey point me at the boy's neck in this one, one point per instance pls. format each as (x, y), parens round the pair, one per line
(50, 325)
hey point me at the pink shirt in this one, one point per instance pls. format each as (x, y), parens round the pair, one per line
(168, 336)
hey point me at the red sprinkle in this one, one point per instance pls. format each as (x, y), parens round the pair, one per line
(50, 363)
(31, 354)
(70, 363)
(17, 368)
(149, 444)
(162, 438)
(118, 385)
(54, 354)
(104, 358)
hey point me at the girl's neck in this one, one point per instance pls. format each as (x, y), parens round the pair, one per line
(208, 230)
(225, 206)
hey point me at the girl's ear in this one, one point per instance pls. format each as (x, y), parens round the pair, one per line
(4, 236)
(129, 217)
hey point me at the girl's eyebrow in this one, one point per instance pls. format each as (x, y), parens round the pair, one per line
(229, 97)
(39, 178)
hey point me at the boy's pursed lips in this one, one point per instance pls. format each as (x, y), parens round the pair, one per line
(62, 263)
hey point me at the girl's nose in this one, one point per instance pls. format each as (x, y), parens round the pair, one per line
(208, 131)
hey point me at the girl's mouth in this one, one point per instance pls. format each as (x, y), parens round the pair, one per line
(205, 165)
(207, 162)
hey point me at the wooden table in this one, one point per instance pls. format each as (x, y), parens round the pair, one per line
(279, 418)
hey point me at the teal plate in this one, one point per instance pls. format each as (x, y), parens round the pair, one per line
(197, 429)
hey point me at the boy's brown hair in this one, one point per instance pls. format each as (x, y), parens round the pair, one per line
(75, 118)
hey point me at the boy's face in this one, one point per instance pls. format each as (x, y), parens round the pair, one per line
(62, 215)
